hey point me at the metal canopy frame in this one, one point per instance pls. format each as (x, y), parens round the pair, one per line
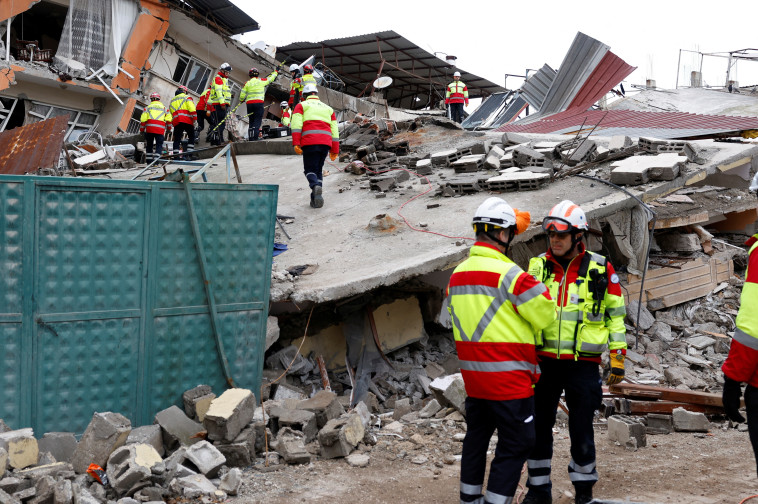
(419, 77)
(220, 14)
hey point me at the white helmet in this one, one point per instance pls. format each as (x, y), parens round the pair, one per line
(310, 88)
(294, 67)
(495, 211)
(754, 183)
(225, 67)
(564, 216)
(457, 74)
(284, 104)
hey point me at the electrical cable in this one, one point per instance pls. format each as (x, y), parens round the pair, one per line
(748, 498)
(647, 253)
(411, 172)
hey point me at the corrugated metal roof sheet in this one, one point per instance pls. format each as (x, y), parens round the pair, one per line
(536, 87)
(496, 110)
(221, 12)
(30, 148)
(358, 60)
(631, 122)
(607, 74)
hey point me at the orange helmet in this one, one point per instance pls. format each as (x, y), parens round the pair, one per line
(565, 217)
(154, 96)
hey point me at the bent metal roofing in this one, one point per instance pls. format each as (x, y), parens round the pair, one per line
(416, 73)
(222, 13)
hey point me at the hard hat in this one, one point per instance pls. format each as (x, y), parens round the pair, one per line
(754, 183)
(310, 88)
(183, 89)
(457, 74)
(294, 67)
(253, 72)
(564, 216)
(154, 96)
(284, 104)
(225, 67)
(495, 211)
(308, 69)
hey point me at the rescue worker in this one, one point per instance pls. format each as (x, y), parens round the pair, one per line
(497, 311)
(456, 97)
(154, 123)
(184, 118)
(741, 364)
(201, 107)
(314, 135)
(295, 87)
(220, 97)
(284, 121)
(253, 93)
(591, 313)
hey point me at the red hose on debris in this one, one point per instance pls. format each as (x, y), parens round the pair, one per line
(748, 498)
(411, 172)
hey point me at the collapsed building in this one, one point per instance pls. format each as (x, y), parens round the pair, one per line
(356, 305)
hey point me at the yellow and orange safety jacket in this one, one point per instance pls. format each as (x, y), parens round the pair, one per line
(255, 89)
(314, 123)
(295, 88)
(457, 92)
(182, 109)
(155, 119)
(742, 362)
(221, 93)
(497, 311)
(590, 307)
(285, 119)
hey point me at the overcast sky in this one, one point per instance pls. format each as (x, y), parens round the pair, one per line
(491, 38)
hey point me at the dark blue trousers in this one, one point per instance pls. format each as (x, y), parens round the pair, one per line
(456, 112)
(255, 118)
(582, 384)
(313, 163)
(751, 405)
(155, 138)
(514, 422)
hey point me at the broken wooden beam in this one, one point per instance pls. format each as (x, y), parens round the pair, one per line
(635, 390)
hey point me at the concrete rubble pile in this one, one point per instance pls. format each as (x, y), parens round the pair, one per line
(87, 158)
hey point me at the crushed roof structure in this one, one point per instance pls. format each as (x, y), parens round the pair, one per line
(33, 147)
(416, 73)
(219, 13)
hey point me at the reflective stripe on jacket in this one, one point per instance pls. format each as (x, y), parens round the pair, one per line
(314, 123)
(457, 92)
(255, 88)
(155, 118)
(295, 88)
(285, 119)
(220, 91)
(742, 362)
(585, 326)
(497, 311)
(182, 109)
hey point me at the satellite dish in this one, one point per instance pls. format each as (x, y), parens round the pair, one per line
(383, 82)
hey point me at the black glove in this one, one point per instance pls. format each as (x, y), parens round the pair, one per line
(731, 398)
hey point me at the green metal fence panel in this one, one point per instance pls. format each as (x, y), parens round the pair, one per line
(105, 307)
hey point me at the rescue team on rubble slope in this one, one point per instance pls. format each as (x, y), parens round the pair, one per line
(525, 338)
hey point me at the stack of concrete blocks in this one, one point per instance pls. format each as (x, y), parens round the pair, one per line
(638, 170)
(197, 401)
(492, 161)
(423, 167)
(627, 431)
(19, 449)
(450, 390)
(387, 181)
(515, 179)
(448, 157)
(526, 157)
(469, 164)
(461, 185)
(585, 151)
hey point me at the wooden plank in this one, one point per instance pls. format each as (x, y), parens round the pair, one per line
(674, 276)
(669, 394)
(683, 284)
(632, 407)
(663, 272)
(680, 220)
(678, 298)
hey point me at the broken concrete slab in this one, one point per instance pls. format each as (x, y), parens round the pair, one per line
(450, 390)
(431, 409)
(325, 405)
(627, 431)
(402, 408)
(646, 319)
(193, 487)
(147, 434)
(521, 180)
(21, 446)
(3, 461)
(637, 170)
(619, 142)
(206, 458)
(290, 445)
(340, 436)
(241, 451)
(231, 481)
(105, 432)
(272, 331)
(197, 401)
(178, 429)
(297, 420)
(130, 465)
(60, 445)
(229, 414)
(514, 139)
(659, 424)
(690, 421)
(679, 242)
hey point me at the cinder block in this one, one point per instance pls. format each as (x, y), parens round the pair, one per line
(147, 434)
(105, 432)
(324, 405)
(178, 430)
(197, 401)
(229, 414)
(60, 445)
(130, 465)
(690, 421)
(626, 431)
(206, 457)
(340, 436)
(513, 139)
(21, 447)
(659, 424)
(299, 420)
(289, 444)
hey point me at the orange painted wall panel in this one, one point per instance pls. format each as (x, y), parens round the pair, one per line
(128, 109)
(147, 30)
(10, 8)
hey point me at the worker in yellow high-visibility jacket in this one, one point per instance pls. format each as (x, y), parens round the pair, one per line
(253, 94)
(456, 97)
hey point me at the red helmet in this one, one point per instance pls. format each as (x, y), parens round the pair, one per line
(154, 96)
(183, 89)
(308, 69)
(253, 72)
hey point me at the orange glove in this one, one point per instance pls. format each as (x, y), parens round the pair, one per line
(298, 150)
(333, 155)
(522, 220)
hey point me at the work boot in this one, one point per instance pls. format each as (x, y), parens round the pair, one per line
(317, 201)
(583, 496)
(534, 498)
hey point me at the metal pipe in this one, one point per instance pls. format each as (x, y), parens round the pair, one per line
(8, 41)
(678, 64)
